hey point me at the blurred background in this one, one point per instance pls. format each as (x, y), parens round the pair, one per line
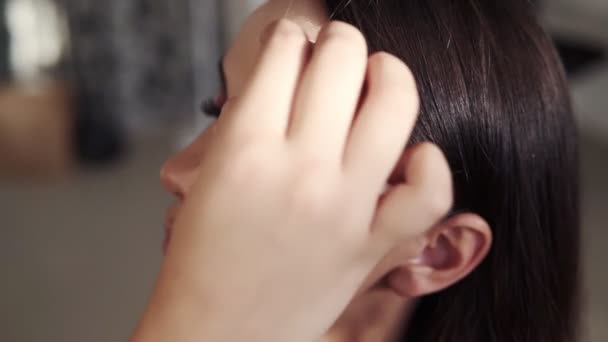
(94, 95)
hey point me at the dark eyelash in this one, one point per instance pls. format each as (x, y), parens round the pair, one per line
(211, 108)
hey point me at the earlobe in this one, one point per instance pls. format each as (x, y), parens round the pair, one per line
(452, 251)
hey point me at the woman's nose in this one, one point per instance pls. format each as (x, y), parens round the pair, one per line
(178, 174)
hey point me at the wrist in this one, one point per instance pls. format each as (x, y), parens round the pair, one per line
(177, 312)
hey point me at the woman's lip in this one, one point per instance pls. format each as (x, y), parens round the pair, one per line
(166, 241)
(168, 232)
(167, 238)
(169, 221)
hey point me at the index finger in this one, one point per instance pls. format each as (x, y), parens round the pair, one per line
(265, 105)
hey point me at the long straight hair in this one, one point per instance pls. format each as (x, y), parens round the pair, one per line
(494, 98)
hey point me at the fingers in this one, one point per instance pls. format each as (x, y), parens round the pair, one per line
(410, 208)
(385, 121)
(330, 89)
(265, 105)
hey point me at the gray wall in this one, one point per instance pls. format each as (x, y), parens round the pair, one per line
(145, 61)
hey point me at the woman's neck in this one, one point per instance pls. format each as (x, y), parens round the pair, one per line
(376, 316)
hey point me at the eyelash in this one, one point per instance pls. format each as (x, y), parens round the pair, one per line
(211, 108)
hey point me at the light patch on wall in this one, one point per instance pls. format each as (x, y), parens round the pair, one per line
(37, 37)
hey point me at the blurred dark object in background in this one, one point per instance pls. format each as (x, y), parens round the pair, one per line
(577, 55)
(98, 136)
(92, 68)
(579, 31)
(5, 73)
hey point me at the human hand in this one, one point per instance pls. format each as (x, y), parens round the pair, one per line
(287, 217)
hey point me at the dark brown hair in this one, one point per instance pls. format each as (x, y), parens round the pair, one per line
(494, 98)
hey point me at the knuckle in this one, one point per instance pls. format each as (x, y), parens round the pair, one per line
(287, 32)
(391, 69)
(344, 36)
(436, 185)
(429, 149)
(394, 79)
(438, 202)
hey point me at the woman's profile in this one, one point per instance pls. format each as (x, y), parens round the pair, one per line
(503, 266)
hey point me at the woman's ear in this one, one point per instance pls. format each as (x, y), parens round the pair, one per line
(451, 251)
